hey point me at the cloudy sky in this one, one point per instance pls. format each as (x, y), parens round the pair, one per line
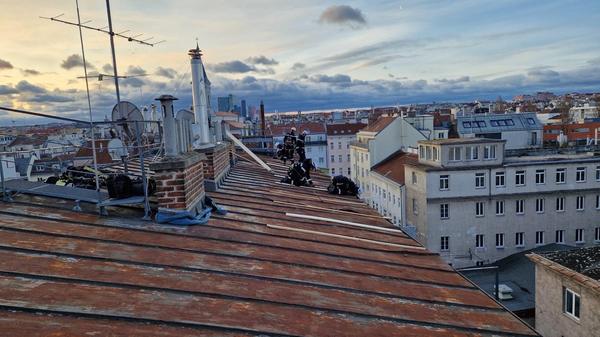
(301, 55)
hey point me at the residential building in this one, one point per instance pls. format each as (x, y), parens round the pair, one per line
(520, 130)
(474, 205)
(567, 296)
(387, 182)
(582, 112)
(339, 138)
(586, 133)
(315, 142)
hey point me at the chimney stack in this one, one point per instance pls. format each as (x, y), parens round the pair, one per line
(199, 95)
(169, 127)
(262, 119)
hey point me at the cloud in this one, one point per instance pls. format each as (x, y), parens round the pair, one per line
(298, 66)
(107, 68)
(30, 72)
(51, 98)
(238, 67)
(262, 60)
(133, 82)
(73, 61)
(135, 70)
(5, 65)
(454, 80)
(27, 87)
(169, 73)
(339, 78)
(7, 90)
(343, 15)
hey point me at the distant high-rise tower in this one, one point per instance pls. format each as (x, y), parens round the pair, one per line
(244, 111)
(226, 103)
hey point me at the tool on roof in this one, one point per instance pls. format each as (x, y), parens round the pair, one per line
(247, 150)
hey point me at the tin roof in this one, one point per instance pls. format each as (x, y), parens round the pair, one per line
(344, 129)
(283, 261)
(495, 123)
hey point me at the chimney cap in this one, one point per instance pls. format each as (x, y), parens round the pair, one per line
(166, 98)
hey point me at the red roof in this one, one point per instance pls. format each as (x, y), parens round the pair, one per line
(393, 166)
(344, 129)
(102, 155)
(282, 129)
(380, 124)
(572, 131)
(226, 114)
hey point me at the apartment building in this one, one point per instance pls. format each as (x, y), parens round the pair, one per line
(473, 205)
(567, 289)
(339, 138)
(519, 130)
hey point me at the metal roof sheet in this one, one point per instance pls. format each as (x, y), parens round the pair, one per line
(256, 271)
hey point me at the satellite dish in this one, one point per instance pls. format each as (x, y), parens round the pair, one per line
(127, 112)
(117, 149)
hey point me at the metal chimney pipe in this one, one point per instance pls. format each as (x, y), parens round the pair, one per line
(169, 127)
(199, 94)
(262, 119)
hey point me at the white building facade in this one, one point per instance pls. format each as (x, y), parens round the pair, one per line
(473, 205)
(339, 138)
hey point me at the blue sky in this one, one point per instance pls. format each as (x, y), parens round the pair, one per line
(304, 55)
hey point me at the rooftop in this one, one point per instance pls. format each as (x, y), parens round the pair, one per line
(585, 261)
(380, 124)
(283, 129)
(493, 123)
(457, 141)
(393, 166)
(283, 261)
(344, 129)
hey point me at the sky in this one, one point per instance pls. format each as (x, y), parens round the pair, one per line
(299, 55)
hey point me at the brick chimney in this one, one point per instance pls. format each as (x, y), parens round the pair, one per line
(216, 164)
(179, 175)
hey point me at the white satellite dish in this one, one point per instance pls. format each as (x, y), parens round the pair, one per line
(116, 149)
(127, 113)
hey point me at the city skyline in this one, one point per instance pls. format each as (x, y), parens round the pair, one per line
(302, 56)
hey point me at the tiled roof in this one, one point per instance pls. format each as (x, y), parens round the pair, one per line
(226, 114)
(393, 166)
(26, 140)
(380, 124)
(344, 129)
(282, 129)
(259, 270)
(102, 155)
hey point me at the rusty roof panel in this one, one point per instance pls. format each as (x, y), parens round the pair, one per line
(252, 272)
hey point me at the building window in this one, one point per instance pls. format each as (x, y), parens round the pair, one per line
(339, 145)
(472, 153)
(340, 158)
(597, 173)
(597, 234)
(580, 175)
(479, 241)
(479, 180)
(579, 235)
(444, 243)
(539, 237)
(539, 205)
(415, 206)
(321, 160)
(520, 239)
(572, 302)
(331, 145)
(489, 152)
(500, 240)
(520, 178)
(540, 176)
(348, 157)
(444, 182)
(597, 201)
(479, 208)
(500, 207)
(500, 181)
(333, 171)
(580, 203)
(348, 171)
(520, 206)
(443, 211)
(414, 178)
(560, 204)
(560, 236)
(332, 158)
(435, 154)
(454, 154)
(428, 152)
(560, 175)
(422, 151)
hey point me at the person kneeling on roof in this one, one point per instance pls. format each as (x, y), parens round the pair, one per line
(341, 185)
(299, 173)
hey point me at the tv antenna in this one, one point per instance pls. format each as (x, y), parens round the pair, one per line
(111, 33)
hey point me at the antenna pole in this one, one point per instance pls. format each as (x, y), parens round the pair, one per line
(87, 88)
(111, 33)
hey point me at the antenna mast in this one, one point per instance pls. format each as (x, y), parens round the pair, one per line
(112, 34)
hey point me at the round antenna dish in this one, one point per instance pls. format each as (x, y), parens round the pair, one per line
(126, 111)
(117, 149)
